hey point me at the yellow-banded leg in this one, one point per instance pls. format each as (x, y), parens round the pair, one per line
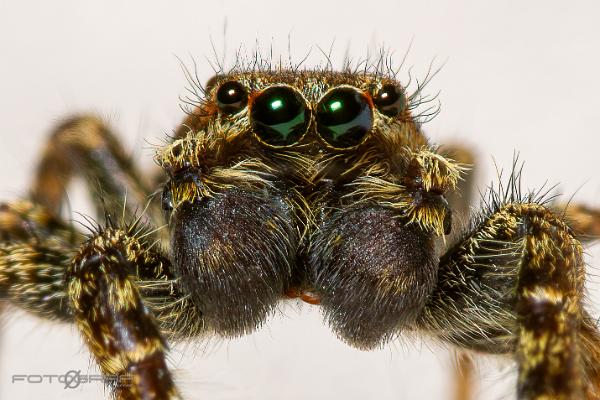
(49, 269)
(35, 251)
(81, 146)
(120, 330)
(515, 285)
(585, 224)
(84, 146)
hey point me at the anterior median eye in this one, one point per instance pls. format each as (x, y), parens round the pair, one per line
(279, 116)
(390, 100)
(232, 97)
(344, 117)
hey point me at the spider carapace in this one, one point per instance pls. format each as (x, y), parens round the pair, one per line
(313, 184)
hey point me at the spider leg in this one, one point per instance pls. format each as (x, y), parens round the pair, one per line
(84, 146)
(584, 220)
(460, 201)
(99, 285)
(463, 372)
(515, 285)
(35, 250)
(121, 332)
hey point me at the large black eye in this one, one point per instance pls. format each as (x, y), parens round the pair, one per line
(344, 117)
(390, 100)
(279, 116)
(231, 97)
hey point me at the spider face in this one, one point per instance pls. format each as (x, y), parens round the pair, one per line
(289, 181)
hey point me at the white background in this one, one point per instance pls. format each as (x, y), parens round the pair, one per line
(520, 75)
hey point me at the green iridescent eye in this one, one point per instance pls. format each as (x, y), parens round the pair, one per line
(344, 117)
(279, 116)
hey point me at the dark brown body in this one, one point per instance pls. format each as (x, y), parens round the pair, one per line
(309, 204)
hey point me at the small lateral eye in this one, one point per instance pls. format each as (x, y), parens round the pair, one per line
(232, 97)
(344, 117)
(390, 100)
(279, 116)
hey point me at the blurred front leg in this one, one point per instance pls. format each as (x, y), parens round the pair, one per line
(84, 146)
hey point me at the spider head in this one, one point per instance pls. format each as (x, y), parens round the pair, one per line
(265, 164)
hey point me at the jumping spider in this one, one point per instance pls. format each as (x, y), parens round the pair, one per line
(287, 183)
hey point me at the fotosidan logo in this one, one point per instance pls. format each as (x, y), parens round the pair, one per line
(73, 379)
